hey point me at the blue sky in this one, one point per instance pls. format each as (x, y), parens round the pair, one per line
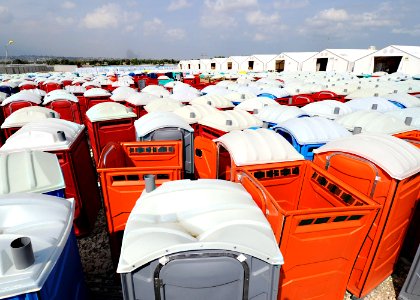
(185, 29)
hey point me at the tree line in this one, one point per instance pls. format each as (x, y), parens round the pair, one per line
(97, 61)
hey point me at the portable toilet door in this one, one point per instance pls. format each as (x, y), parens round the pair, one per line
(18, 101)
(40, 258)
(109, 122)
(68, 141)
(79, 91)
(96, 95)
(25, 115)
(167, 126)
(31, 172)
(66, 104)
(224, 249)
(386, 169)
(411, 287)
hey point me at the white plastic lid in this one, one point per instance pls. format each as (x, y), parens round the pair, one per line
(44, 135)
(109, 111)
(162, 104)
(23, 96)
(313, 130)
(121, 93)
(256, 103)
(77, 89)
(275, 91)
(374, 122)
(382, 104)
(59, 95)
(141, 98)
(240, 97)
(260, 146)
(405, 99)
(230, 120)
(96, 92)
(402, 114)
(30, 172)
(189, 215)
(157, 120)
(213, 100)
(395, 156)
(29, 114)
(47, 221)
(156, 90)
(329, 109)
(195, 112)
(280, 113)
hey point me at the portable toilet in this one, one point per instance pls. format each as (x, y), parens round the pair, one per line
(217, 124)
(307, 207)
(18, 101)
(66, 104)
(386, 169)
(27, 85)
(411, 287)
(273, 115)
(307, 134)
(254, 105)
(120, 94)
(25, 115)
(40, 259)
(68, 141)
(329, 109)
(410, 117)
(402, 100)
(109, 122)
(50, 85)
(167, 126)
(371, 103)
(138, 101)
(96, 95)
(163, 79)
(238, 97)
(327, 95)
(156, 90)
(218, 101)
(206, 239)
(79, 91)
(193, 113)
(162, 105)
(122, 169)
(31, 172)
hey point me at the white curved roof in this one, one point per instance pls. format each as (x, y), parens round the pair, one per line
(374, 122)
(383, 105)
(61, 95)
(276, 91)
(240, 119)
(156, 120)
(141, 98)
(402, 114)
(256, 103)
(195, 112)
(75, 88)
(162, 104)
(278, 114)
(314, 130)
(29, 114)
(121, 93)
(92, 83)
(326, 109)
(42, 135)
(260, 146)
(22, 96)
(405, 99)
(184, 92)
(213, 100)
(30, 172)
(367, 92)
(109, 111)
(96, 92)
(215, 90)
(203, 214)
(27, 82)
(156, 90)
(47, 221)
(395, 156)
(239, 97)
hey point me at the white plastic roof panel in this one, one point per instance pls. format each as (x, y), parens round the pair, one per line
(216, 90)
(75, 89)
(315, 130)
(156, 90)
(239, 119)
(256, 104)
(162, 104)
(195, 112)
(240, 97)
(29, 114)
(374, 122)
(260, 146)
(22, 96)
(405, 99)
(96, 92)
(395, 156)
(402, 114)
(109, 111)
(47, 221)
(157, 120)
(213, 100)
(43, 135)
(30, 172)
(278, 114)
(121, 93)
(367, 104)
(329, 109)
(187, 215)
(62, 95)
(276, 91)
(141, 98)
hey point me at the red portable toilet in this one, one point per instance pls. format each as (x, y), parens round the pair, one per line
(138, 101)
(79, 91)
(18, 101)
(156, 90)
(120, 94)
(64, 103)
(26, 115)
(51, 85)
(27, 85)
(193, 113)
(96, 95)
(109, 122)
(387, 170)
(68, 141)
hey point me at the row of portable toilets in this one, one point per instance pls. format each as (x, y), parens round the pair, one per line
(304, 208)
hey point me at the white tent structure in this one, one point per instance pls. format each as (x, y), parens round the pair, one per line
(216, 64)
(391, 59)
(335, 60)
(256, 63)
(232, 63)
(288, 61)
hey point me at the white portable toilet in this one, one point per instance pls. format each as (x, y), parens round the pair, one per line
(39, 255)
(168, 126)
(204, 239)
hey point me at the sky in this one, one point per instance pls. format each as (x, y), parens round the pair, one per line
(192, 29)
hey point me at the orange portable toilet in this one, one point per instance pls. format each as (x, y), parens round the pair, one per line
(66, 104)
(68, 141)
(18, 101)
(94, 96)
(122, 167)
(109, 122)
(307, 207)
(26, 115)
(386, 169)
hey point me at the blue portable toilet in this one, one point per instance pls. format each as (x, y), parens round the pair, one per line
(307, 134)
(31, 172)
(39, 256)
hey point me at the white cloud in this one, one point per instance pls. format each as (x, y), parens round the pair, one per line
(109, 16)
(64, 21)
(258, 37)
(329, 15)
(178, 4)
(291, 4)
(68, 5)
(176, 33)
(230, 5)
(372, 20)
(152, 26)
(213, 21)
(259, 18)
(413, 31)
(5, 15)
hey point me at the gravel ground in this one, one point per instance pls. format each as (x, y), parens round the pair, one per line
(104, 284)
